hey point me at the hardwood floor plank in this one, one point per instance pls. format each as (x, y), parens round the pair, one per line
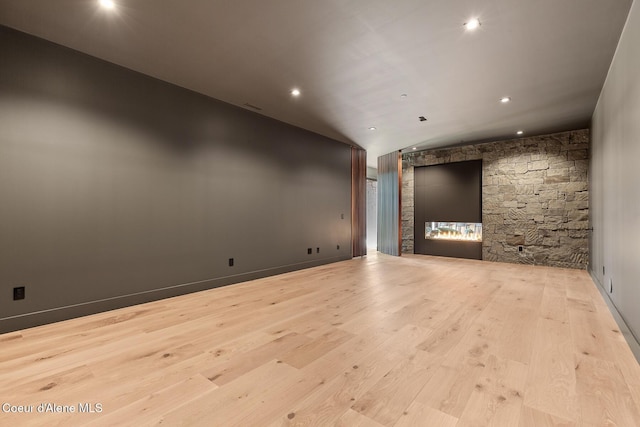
(449, 334)
(418, 414)
(64, 388)
(419, 312)
(482, 337)
(305, 353)
(350, 353)
(312, 323)
(530, 417)
(153, 406)
(217, 406)
(269, 405)
(241, 364)
(589, 338)
(451, 386)
(406, 339)
(581, 304)
(516, 340)
(578, 285)
(344, 384)
(15, 338)
(497, 396)
(554, 305)
(551, 384)
(352, 418)
(629, 368)
(391, 395)
(605, 398)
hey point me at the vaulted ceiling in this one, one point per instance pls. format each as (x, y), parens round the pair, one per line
(353, 60)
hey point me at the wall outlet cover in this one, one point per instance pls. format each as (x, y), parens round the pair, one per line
(18, 293)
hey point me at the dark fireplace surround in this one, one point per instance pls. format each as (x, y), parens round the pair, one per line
(448, 209)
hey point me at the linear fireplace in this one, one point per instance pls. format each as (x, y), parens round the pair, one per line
(460, 231)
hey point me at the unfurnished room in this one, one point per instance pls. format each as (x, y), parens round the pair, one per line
(320, 213)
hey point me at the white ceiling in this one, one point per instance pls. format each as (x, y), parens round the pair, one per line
(352, 59)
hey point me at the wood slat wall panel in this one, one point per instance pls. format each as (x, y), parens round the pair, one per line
(358, 202)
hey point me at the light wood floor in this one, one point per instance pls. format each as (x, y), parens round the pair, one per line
(377, 341)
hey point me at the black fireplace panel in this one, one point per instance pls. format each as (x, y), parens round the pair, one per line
(451, 248)
(447, 196)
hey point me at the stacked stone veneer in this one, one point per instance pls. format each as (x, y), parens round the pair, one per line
(534, 194)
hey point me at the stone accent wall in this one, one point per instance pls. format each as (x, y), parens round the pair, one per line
(534, 194)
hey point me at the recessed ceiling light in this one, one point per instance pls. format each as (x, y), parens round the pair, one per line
(520, 132)
(372, 128)
(414, 148)
(505, 99)
(107, 4)
(472, 24)
(295, 92)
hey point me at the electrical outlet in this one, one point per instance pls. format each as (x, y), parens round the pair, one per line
(231, 261)
(521, 249)
(610, 285)
(317, 250)
(338, 247)
(603, 270)
(341, 216)
(18, 293)
(309, 251)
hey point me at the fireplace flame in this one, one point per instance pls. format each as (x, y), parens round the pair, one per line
(448, 235)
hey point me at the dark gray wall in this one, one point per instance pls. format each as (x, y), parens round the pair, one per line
(448, 192)
(116, 188)
(615, 178)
